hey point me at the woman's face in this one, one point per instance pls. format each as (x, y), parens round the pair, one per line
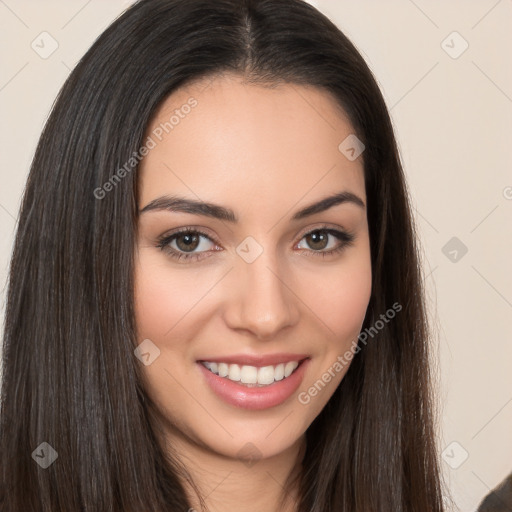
(264, 283)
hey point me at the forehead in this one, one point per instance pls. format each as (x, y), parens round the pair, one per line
(227, 136)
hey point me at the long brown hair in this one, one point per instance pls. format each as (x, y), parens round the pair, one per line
(70, 377)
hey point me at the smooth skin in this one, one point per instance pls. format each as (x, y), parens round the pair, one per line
(265, 153)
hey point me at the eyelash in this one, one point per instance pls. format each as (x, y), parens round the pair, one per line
(163, 242)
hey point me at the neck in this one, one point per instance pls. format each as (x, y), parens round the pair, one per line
(231, 485)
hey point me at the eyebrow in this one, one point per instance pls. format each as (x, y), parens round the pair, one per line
(181, 204)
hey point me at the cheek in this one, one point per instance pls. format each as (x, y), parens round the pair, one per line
(342, 302)
(163, 298)
(155, 303)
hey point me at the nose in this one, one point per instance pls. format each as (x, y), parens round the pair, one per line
(260, 300)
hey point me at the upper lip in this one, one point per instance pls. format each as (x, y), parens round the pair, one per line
(256, 360)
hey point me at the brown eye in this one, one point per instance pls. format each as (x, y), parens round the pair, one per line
(187, 242)
(319, 240)
(184, 244)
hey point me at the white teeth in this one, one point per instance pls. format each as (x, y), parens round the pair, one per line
(212, 367)
(288, 369)
(252, 375)
(266, 375)
(223, 370)
(234, 372)
(279, 372)
(249, 375)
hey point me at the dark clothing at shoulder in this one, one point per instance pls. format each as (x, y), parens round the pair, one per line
(499, 499)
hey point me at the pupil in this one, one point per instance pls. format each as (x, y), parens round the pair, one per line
(190, 242)
(318, 237)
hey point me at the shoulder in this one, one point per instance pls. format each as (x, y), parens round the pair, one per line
(499, 499)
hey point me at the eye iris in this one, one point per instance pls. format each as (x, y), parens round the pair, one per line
(191, 242)
(320, 237)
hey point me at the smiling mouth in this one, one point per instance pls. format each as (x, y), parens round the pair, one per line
(253, 376)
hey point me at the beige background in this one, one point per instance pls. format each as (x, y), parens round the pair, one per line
(452, 111)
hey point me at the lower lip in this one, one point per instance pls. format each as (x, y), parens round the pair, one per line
(256, 398)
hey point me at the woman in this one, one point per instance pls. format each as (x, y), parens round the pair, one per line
(215, 300)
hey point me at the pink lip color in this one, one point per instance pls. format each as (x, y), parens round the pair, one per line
(255, 398)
